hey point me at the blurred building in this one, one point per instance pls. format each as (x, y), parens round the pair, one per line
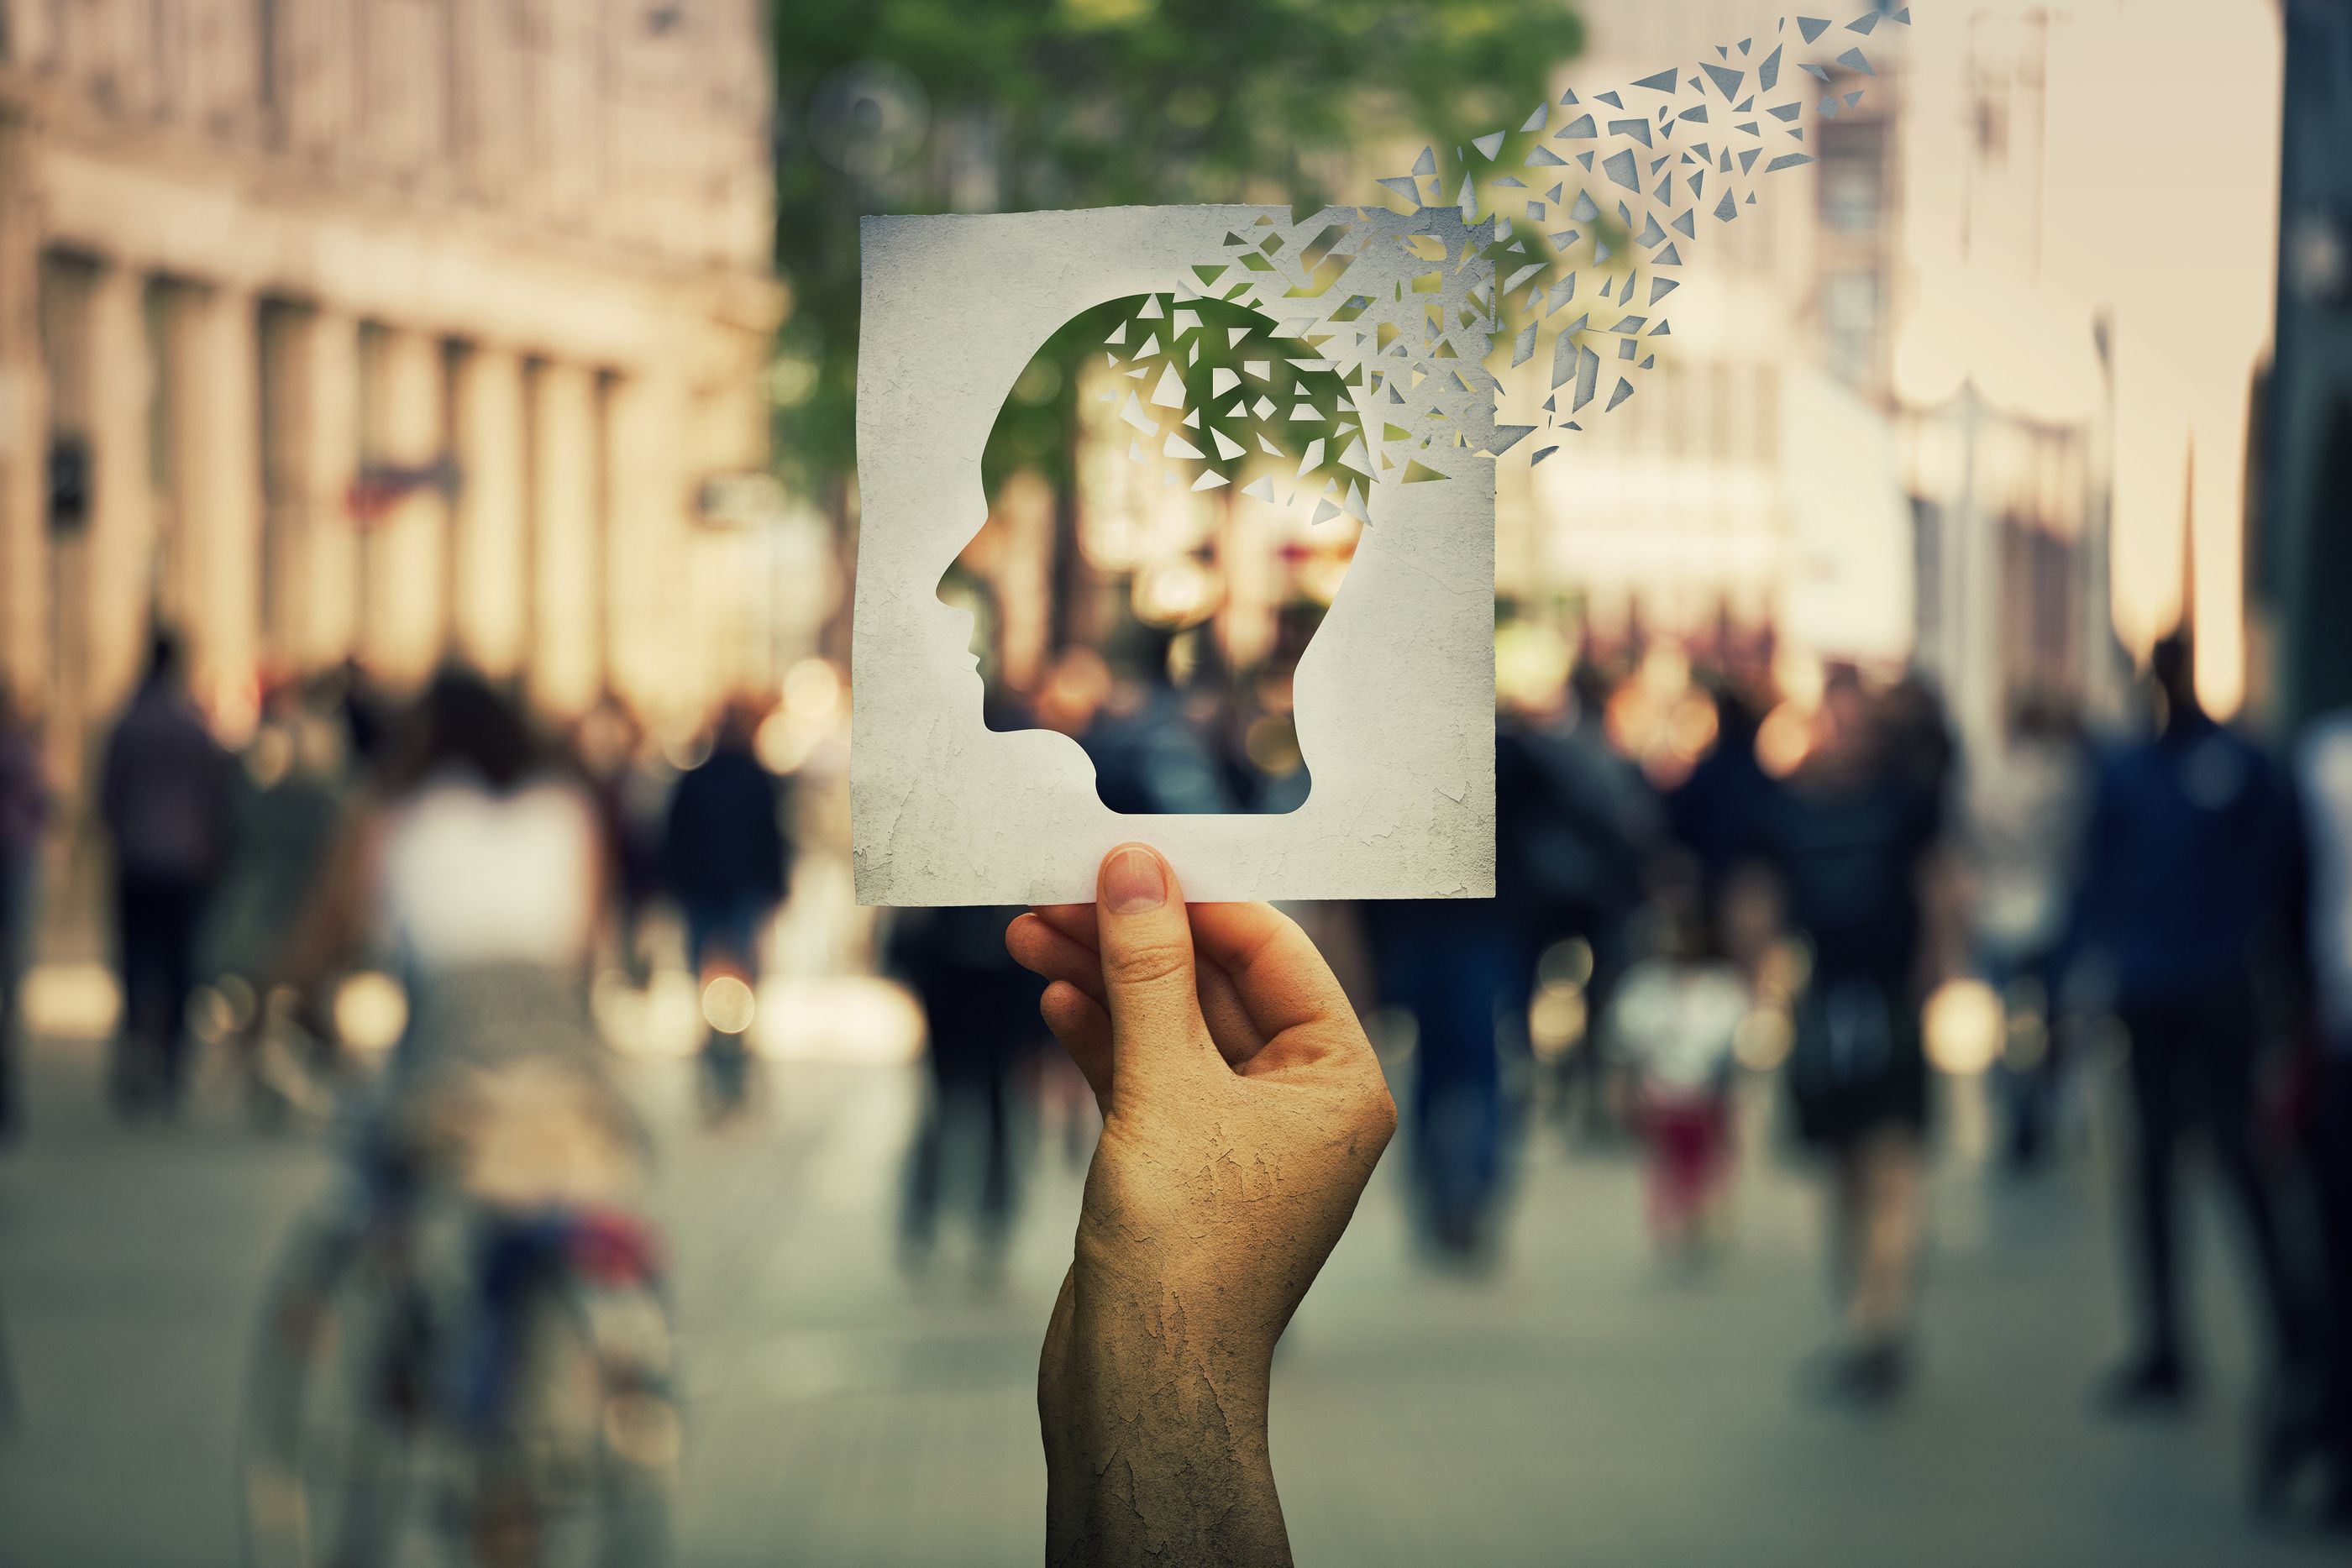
(2078, 383)
(1750, 496)
(390, 329)
(2000, 385)
(2307, 485)
(1962, 392)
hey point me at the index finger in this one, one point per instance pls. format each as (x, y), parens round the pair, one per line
(1075, 921)
(1278, 972)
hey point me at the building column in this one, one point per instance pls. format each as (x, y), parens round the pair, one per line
(213, 396)
(121, 587)
(732, 595)
(566, 664)
(311, 365)
(646, 539)
(320, 444)
(24, 418)
(404, 622)
(490, 621)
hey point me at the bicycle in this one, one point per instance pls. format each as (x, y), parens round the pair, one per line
(462, 1363)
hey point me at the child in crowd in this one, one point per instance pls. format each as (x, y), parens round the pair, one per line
(1671, 1031)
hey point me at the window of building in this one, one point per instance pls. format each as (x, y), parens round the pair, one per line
(1849, 316)
(1852, 194)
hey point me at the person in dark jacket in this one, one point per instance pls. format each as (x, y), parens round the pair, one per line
(727, 862)
(1576, 830)
(1849, 847)
(980, 1009)
(164, 794)
(1152, 756)
(25, 808)
(724, 854)
(2187, 863)
(2322, 779)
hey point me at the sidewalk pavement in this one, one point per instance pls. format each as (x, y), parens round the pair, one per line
(1580, 1404)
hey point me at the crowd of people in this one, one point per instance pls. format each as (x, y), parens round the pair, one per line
(1793, 890)
(1803, 891)
(256, 874)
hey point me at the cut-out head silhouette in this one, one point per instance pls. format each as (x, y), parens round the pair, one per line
(1175, 490)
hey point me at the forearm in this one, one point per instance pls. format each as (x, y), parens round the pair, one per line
(1155, 1440)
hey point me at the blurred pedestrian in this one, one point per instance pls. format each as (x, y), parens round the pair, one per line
(1152, 756)
(474, 868)
(1575, 827)
(367, 713)
(2187, 860)
(1452, 966)
(2324, 775)
(1852, 839)
(608, 742)
(727, 860)
(980, 1009)
(1717, 813)
(486, 1253)
(2025, 818)
(25, 805)
(164, 794)
(285, 810)
(1920, 742)
(1672, 1029)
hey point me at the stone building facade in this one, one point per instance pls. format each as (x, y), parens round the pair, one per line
(394, 329)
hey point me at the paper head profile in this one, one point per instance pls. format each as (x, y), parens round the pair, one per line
(1204, 522)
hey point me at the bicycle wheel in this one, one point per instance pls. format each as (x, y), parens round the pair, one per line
(334, 1398)
(581, 1468)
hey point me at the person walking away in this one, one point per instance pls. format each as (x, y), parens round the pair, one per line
(1152, 756)
(500, 1158)
(1671, 1029)
(728, 862)
(607, 742)
(1453, 966)
(1852, 840)
(2186, 866)
(980, 1009)
(2025, 817)
(476, 868)
(25, 805)
(1716, 812)
(285, 810)
(2323, 781)
(163, 795)
(1578, 825)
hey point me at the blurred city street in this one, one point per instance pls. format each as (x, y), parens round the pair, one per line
(1869, 1040)
(1580, 1404)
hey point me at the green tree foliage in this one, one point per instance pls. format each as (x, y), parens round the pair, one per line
(1208, 386)
(925, 106)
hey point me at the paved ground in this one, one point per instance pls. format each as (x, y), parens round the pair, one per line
(1581, 1406)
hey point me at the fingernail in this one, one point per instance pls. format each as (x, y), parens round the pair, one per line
(1133, 883)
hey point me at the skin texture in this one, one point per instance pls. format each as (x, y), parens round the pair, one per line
(1243, 1112)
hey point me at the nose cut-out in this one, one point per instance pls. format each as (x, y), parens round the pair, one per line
(955, 598)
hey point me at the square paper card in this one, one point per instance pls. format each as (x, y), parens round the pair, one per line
(1281, 378)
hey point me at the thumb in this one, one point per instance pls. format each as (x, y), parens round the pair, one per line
(1147, 968)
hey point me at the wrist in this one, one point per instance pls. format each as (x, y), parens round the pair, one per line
(1146, 1356)
(1155, 1435)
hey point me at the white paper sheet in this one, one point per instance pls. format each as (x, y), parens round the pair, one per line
(1394, 696)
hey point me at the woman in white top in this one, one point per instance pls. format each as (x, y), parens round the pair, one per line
(479, 874)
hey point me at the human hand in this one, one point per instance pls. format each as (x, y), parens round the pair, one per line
(1243, 1112)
